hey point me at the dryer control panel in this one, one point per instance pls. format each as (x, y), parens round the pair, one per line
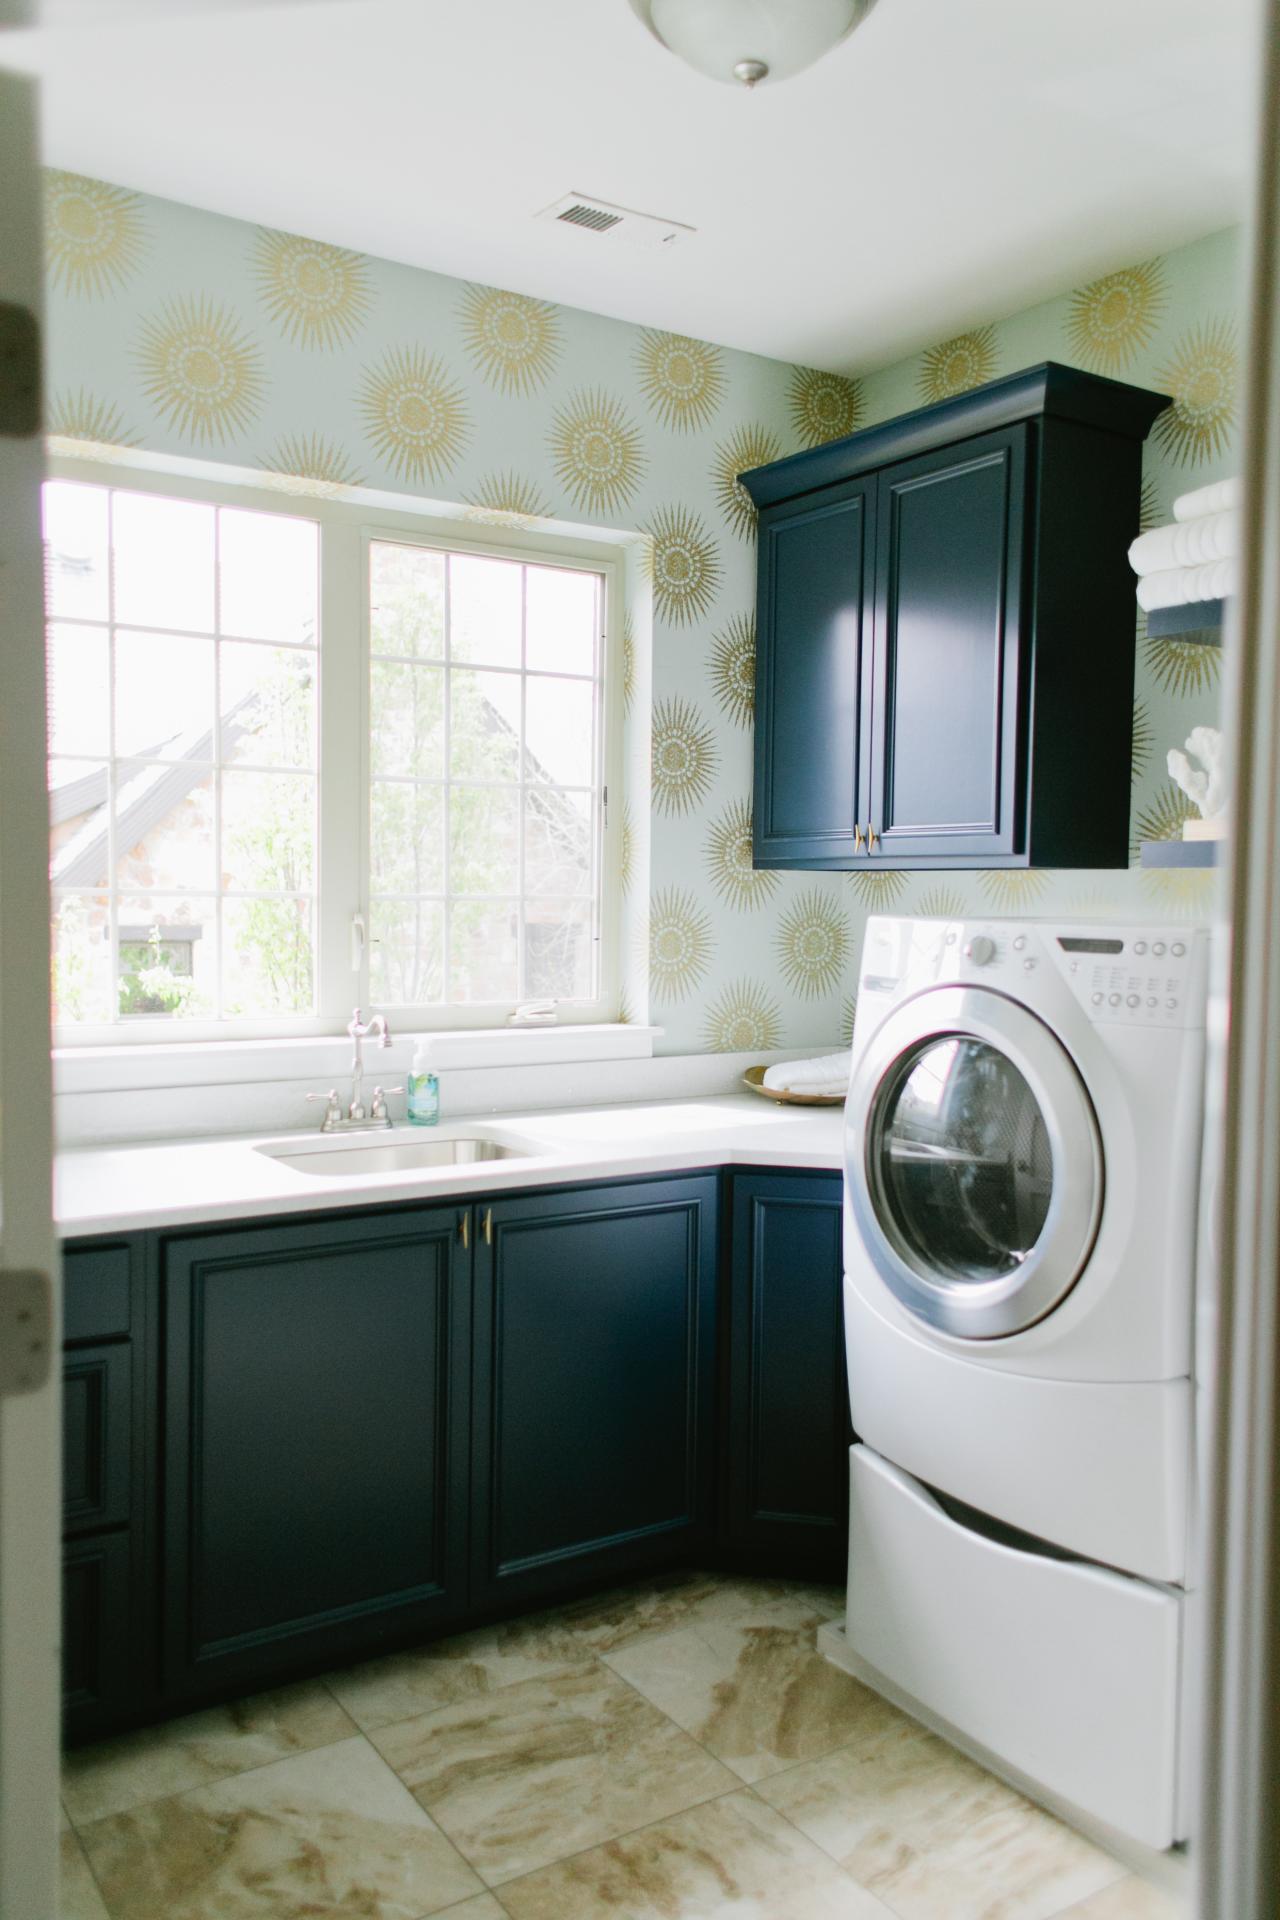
(1150, 976)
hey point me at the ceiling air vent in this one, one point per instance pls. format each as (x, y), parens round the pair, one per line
(620, 225)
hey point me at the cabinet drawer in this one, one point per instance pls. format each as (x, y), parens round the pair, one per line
(96, 1671)
(96, 1437)
(97, 1292)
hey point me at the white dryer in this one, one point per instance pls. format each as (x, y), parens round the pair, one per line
(1022, 1150)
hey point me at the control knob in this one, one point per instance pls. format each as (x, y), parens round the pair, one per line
(981, 950)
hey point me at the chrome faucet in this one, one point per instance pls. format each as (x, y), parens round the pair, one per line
(335, 1120)
(376, 1027)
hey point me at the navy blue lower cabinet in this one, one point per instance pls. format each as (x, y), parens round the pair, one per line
(315, 1463)
(593, 1386)
(786, 1472)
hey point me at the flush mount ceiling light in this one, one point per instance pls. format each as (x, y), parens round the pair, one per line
(748, 41)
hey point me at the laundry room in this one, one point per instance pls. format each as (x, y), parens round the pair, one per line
(638, 778)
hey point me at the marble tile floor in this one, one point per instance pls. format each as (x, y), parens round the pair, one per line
(677, 1750)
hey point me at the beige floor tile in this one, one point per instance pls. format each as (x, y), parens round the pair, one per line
(331, 1832)
(379, 1692)
(483, 1907)
(534, 1772)
(609, 1621)
(78, 1895)
(937, 1838)
(1130, 1899)
(732, 1859)
(758, 1697)
(199, 1749)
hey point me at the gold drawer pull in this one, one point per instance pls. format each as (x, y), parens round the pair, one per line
(464, 1228)
(488, 1226)
(872, 838)
(857, 839)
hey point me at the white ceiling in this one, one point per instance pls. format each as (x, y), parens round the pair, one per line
(954, 160)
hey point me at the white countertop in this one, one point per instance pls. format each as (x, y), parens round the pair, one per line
(195, 1182)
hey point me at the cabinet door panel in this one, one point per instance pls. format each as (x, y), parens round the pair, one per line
(946, 702)
(788, 1460)
(97, 1672)
(97, 1450)
(593, 1382)
(316, 1445)
(815, 566)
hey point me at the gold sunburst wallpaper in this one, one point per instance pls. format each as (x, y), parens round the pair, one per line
(182, 332)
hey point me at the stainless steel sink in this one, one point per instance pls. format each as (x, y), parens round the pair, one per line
(380, 1155)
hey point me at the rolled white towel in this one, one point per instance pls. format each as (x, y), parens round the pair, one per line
(824, 1075)
(1218, 497)
(1188, 543)
(1179, 586)
(818, 1090)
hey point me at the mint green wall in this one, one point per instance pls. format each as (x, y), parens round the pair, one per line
(180, 331)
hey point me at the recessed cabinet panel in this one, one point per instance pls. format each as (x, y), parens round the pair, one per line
(948, 596)
(788, 1434)
(815, 562)
(316, 1456)
(97, 1411)
(97, 1677)
(593, 1377)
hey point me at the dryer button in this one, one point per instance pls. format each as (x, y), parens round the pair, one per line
(1096, 998)
(1113, 999)
(1177, 949)
(1029, 966)
(1133, 1001)
(1020, 943)
(1172, 1005)
(1152, 1001)
(1157, 947)
(1139, 946)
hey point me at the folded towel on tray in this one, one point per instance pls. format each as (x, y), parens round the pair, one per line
(1217, 497)
(827, 1074)
(1187, 543)
(1180, 586)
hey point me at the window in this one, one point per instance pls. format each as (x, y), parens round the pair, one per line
(304, 757)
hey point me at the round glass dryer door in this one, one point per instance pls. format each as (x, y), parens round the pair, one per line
(975, 1170)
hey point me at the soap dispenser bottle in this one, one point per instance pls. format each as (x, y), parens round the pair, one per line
(424, 1089)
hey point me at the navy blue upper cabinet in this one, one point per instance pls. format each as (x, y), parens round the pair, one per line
(816, 562)
(945, 633)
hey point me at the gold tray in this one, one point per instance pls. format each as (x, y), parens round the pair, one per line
(754, 1078)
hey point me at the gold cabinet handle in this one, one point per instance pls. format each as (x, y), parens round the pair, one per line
(872, 838)
(488, 1226)
(464, 1228)
(857, 839)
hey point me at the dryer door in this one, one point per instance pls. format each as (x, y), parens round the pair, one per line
(974, 1163)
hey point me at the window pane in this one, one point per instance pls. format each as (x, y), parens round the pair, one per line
(77, 822)
(163, 562)
(82, 972)
(406, 842)
(484, 610)
(268, 575)
(167, 958)
(79, 694)
(407, 720)
(75, 534)
(559, 847)
(406, 595)
(164, 827)
(561, 620)
(267, 957)
(559, 724)
(268, 697)
(484, 726)
(482, 950)
(406, 954)
(268, 832)
(558, 950)
(164, 696)
(484, 839)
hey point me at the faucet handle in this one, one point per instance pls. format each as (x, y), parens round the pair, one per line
(378, 1111)
(332, 1109)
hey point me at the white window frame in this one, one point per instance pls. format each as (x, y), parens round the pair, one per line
(341, 957)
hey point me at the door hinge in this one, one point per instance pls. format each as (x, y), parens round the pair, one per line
(26, 1329)
(19, 372)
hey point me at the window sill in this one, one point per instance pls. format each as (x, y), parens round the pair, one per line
(327, 1058)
